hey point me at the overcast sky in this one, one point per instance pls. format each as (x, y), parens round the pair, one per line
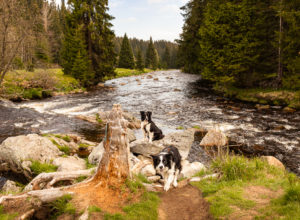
(160, 19)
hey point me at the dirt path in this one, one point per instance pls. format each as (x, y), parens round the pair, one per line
(184, 203)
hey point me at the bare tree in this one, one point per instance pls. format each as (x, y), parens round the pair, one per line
(13, 30)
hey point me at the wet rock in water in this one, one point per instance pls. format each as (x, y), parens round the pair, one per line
(69, 163)
(190, 169)
(182, 140)
(289, 110)
(9, 186)
(17, 153)
(149, 76)
(177, 90)
(122, 84)
(155, 79)
(214, 138)
(262, 107)
(96, 155)
(273, 161)
(199, 133)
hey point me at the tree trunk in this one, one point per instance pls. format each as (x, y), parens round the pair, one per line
(279, 73)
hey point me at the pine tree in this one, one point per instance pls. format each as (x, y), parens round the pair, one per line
(166, 59)
(139, 61)
(126, 59)
(151, 60)
(89, 22)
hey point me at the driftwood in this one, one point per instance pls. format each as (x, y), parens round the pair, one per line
(113, 170)
(48, 180)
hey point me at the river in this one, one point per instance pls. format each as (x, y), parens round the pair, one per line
(176, 99)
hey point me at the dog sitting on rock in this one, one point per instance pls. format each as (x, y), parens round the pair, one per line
(168, 164)
(150, 130)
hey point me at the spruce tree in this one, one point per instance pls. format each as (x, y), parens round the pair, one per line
(139, 61)
(89, 22)
(166, 59)
(126, 59)
(151, 60)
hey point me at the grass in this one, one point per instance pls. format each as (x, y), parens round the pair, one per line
(62, 206)
(38, 167)
(197, 127)
(180, 128)
(121, 72)
(81, 178)
(41, 83)
(226, 193)
(88, 165)
(145, 209)
(93, 208)
(264, 96)
(98, 119)
(4, 216)
(62, 148)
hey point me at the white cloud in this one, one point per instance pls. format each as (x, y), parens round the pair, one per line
(115, 3)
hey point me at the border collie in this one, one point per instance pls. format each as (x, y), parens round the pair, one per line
(168, 164)
(150, 130)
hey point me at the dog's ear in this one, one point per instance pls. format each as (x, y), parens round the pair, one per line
(149, 115)
(143, 115)
(169, 156)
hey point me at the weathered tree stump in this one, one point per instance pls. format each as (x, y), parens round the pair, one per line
(103, 189)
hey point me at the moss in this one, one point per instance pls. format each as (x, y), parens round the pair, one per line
(98, 119)
(180, 128)
(81, 178)
(66, 138)
(62, 148)
(38, 167)
(92, 209)
(88, 165)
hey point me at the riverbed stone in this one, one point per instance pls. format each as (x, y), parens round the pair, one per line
(16, 153)
(9, 186)
(96, 155)
(214, 137)
(182, 140)
(289, 110)
(148, 170)
(190, 169)
(69, 163)
(273, 161)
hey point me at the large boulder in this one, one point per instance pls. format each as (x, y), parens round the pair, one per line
(96, 155)
(182, 140)
(214, 138)
(190, 169)
(16, 154)
(69, 163)
(273, 161)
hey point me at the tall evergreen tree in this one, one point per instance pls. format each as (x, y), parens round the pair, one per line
(89, 22)
(139, 61)
(151, 60)
(126, 59)
(166, 59)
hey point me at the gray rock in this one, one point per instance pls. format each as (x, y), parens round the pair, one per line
(69, 163)
(182, 140)
(96, 155)
(190, 169)
(148, 170)
(16, 153)
(10, 187)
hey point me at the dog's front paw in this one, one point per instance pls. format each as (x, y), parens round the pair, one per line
(175, 184)
(166, 187)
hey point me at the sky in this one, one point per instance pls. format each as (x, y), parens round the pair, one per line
(160, 19)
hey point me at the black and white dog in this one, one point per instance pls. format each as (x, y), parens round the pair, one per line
(168, 164)
(150, 130)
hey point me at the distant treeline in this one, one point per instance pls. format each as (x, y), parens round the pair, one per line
(167, 51)
(249, 43)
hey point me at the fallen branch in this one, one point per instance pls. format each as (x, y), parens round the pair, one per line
(48, 180)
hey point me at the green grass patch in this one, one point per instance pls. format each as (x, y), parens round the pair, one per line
(62, 206)
(147, 208)
(62, 148)
(98, 119)
(180, 128)
(134, 186)
(197, 127)
(93, 208)
(238, 173)
(4, 216)
(41, 83)
(121, 72)
(88, 164)
(66, 138)
(81, 178)
(38, 167)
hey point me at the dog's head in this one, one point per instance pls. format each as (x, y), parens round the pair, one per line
(162, 162)
(146, 116)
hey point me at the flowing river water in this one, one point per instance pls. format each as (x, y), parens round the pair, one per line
(175, 99)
